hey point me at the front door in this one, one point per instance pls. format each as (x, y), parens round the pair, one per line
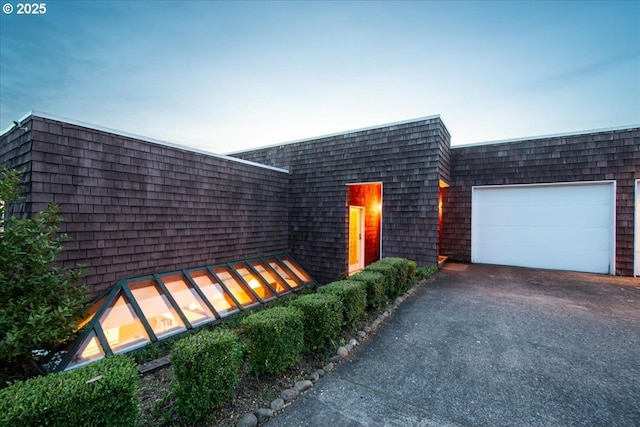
(356, 238)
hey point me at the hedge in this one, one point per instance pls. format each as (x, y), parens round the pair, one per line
(104, 393)
(392, 288)
(374, 284)
(321, 317)
(353, 296)
(274, 339)
(206, 368)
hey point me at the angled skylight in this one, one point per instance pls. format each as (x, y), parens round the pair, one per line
(139, 311)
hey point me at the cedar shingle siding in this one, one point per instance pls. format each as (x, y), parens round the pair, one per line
(133, 207)
(405, 157)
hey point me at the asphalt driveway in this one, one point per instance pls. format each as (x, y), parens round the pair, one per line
(489, 346)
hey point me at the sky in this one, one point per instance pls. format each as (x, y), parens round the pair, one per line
(227, 76)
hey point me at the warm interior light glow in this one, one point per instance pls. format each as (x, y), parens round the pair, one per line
(243, 297)
(213, 292)
(162, 318)
(122, 327)
(190, 303)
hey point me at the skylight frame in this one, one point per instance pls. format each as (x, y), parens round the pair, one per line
(122, 289)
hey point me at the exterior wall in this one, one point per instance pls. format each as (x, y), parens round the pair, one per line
(405, 157)
(15, 153)
(132, 207)
(607, 155)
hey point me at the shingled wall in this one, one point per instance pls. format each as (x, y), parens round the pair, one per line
(607, 155)
(133, 207)
(405, 157)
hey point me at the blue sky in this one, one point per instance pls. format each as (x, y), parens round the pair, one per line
(225, 76)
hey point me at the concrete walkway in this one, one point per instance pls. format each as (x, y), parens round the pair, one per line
(492, 346)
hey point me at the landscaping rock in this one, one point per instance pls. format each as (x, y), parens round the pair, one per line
(277, 404)
(367, 329)
(303, 385)
(290, 394)
(349, 347)
(343, 352)
(398, 301)
(375, 323)
(248, 420)
(263, 414)
(320, 372)
(328, 367)
(353, 342)
(314, 376)
(362, 334)
(335, 359)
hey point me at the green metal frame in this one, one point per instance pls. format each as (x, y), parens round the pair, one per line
(121, 288)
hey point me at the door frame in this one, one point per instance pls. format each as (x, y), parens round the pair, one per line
(361, 231)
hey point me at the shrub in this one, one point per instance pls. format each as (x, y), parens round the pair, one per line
(274, 339)
(390, 285)
(401, 266)
(321, 317)
(206, 367)
(353, 296)
(39, 304)
(426, 272)
(104, 393)
(412, 267)
(374, 284)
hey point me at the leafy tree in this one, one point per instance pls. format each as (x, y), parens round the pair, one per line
(40, 304)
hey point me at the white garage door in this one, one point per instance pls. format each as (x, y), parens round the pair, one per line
(563, 226)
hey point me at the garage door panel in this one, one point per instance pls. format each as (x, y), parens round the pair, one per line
(536, 237)
(544, 216)
(557, 226)
(554, 259)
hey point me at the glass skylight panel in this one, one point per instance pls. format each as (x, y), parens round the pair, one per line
(214, 293)
(89, 351)
(254, 282)
(122, 327)
(155, 306)
(276, 283)
(296, 270)
(243, 296)
(92, 312)
(187, 298)
(292, 281)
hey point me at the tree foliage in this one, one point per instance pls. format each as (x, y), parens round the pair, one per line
(40, 303)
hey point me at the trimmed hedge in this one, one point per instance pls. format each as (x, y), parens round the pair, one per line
(353, 295)
(274, 339)
(374, 283)
(412, 268)
(206, 367)
(401, 265)
(322, 318)
(104, 393)
(390, 284)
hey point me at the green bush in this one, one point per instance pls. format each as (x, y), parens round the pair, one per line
(401, 265)
(374, 283)
(274, 339)
(392, 288)
(321, 317)
(412, 267)
(104, 393)
(206, 367)
(353, 295)
(426, 272)
(40, 305)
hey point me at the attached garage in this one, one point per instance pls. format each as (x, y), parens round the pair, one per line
(561, 226)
